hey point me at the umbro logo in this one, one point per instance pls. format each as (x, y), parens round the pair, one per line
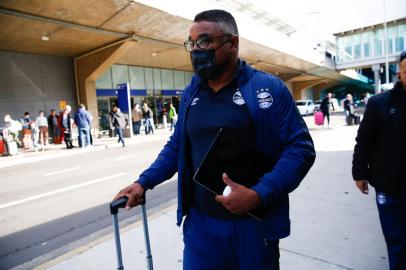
(194, 101)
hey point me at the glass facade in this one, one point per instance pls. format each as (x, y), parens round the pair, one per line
(144, 78)
(370, 43)
(155, 86)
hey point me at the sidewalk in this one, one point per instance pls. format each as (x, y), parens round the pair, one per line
(334, 226)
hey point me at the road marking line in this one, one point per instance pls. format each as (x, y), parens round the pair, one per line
(62, 171)
(125, 157)
(47, 194)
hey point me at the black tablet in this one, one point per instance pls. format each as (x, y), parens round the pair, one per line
(232, 154)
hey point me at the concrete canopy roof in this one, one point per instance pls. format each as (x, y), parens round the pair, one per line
(75, 28)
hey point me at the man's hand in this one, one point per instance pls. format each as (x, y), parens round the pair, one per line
(362, 185)
(134, 193)
(240, 200)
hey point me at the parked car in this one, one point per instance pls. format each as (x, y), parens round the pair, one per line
(317, 105)
(305, 107)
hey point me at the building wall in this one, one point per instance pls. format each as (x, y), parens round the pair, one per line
(30, 82)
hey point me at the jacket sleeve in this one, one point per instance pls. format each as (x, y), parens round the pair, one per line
(297, 153)
(164, 167)
(365, 140)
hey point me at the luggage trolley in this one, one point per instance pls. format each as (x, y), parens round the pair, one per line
(121, 203)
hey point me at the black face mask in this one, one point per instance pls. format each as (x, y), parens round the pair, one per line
(204, 64)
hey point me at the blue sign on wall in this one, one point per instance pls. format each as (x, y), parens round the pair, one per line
(113, 92)
(123, 93)
(172, 92)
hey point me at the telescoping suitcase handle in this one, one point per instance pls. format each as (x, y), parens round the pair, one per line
(121, 203)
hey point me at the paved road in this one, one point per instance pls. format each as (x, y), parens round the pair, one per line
(49, 204)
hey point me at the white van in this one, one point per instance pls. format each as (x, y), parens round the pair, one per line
(305, 107)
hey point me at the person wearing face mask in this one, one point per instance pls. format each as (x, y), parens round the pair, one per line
(227, 93)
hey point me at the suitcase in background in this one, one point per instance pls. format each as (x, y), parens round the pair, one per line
(12, 148)
(318, 118)
(2, 148)
(357, 120)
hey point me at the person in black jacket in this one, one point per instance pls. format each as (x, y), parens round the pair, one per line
(349, 108)
(119, 121)
(325, 107)
(67, 126)
(380, 160)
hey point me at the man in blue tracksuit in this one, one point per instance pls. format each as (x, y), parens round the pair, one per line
(227, 92)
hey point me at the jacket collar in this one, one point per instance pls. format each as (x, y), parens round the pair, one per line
(243, 75)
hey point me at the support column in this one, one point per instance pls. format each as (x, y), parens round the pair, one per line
(377, 78)
(90, 67)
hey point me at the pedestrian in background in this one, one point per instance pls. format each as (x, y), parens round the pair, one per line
(11, 130)
(325, 107)
(26, 131)
(53, 127)
(119, 121)
(380, 160)
(227, 92)
(136, 116)
(82, 120)
(148, 115)
(349, 109)
(41, 122)
(35, 135)
(173, 116)
(67, 127)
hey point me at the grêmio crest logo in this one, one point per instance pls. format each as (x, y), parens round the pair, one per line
(264, 98)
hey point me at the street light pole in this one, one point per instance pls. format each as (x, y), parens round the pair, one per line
(386, 44)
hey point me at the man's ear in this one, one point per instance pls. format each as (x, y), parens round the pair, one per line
(235, 41)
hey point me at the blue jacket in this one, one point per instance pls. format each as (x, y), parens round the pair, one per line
(82, 118)
(280, 134)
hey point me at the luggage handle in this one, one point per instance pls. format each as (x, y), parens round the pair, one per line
(121, 203)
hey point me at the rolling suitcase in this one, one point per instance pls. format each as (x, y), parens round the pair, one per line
(2, 148)
(11, 147)
(114, 206)
(357, 120)
(318, 118)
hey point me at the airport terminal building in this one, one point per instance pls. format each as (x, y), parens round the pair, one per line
(54, 53)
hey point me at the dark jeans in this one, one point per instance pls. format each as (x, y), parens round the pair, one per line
(68, 139)
(136, 127)
(119, 132)
(392, 214)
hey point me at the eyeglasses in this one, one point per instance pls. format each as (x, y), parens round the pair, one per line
(202, 42)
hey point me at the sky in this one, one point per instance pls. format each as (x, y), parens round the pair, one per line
(326, 17)
(315, 18)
